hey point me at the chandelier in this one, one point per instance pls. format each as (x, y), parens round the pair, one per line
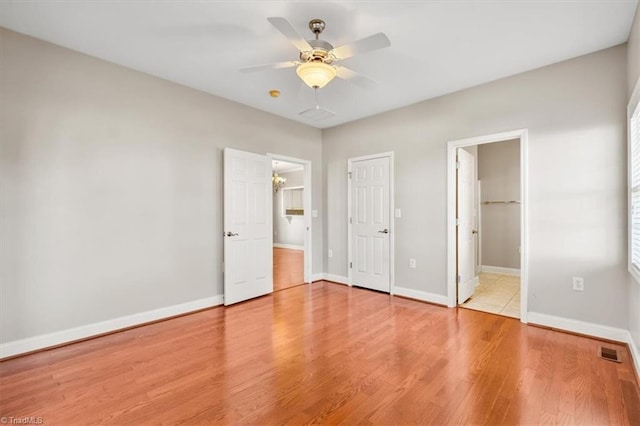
(277, 181)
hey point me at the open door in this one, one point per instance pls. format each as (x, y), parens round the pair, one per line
(248, 240)
(465, 226)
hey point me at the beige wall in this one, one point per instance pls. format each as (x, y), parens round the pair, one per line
(633, 76)
(499, 174)
(575, 113)
(110, 184)
(111, 187)
(633, 53)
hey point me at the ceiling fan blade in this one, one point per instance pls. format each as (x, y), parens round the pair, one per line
(274, 66)
(290, 33)
(367, 44)
(354, 77)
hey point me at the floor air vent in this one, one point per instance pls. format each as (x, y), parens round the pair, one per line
(609, 354)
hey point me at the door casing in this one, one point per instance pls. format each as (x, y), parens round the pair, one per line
(452, 146)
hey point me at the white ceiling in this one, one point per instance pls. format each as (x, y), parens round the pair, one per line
(437, 47)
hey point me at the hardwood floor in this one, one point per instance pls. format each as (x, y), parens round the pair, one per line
(325, 353)
(288, 268)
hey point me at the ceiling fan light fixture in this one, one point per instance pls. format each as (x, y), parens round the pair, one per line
(316, 74)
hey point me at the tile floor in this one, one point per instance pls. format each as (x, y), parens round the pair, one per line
(497, 294)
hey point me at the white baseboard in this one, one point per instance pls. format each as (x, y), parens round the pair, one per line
(288, 246)
(499, 270)
(421, 295)
(581, 327)
(317, 277)
(635, 352)
(336, 278)
(77, 333)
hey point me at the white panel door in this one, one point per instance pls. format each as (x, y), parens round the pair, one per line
(370, 224)
(248, 239)
(465, 235)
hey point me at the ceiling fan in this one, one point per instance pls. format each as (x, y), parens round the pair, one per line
(316, 65)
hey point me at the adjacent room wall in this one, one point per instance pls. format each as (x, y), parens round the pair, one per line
(633, 53)
(575, 113)
(288, 230)
(499, 172)
(633, 77)
(111, 187)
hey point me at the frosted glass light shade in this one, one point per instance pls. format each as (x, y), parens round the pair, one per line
(316, 74)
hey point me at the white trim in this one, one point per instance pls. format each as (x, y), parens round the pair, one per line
(635, 352)
(522, 135)
(499, 270)
(421, 295)
(479, 224)
(336, 279)
(288, 246)
(631, 106)
(317, 277)
(581, 327)
(392, 232)
(308, 219)
(77, 333)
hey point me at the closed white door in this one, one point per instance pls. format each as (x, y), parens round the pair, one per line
(465, 220)
(248, 239)
(370, 219)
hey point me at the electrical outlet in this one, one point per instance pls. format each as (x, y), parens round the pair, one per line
(330, 253)
(398, 213)
(578, 283)
(412, 263)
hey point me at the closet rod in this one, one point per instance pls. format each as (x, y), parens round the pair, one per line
(501, 202)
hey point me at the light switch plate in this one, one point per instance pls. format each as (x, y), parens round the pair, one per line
(398, 213)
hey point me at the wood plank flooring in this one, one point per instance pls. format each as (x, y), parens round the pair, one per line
(288, 268)
(325, 353)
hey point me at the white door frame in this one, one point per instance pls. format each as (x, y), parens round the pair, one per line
(392, 234)
(308, 226)
(522, 135)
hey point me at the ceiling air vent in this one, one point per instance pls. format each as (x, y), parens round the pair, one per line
(609, 354)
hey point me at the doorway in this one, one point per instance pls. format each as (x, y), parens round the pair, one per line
(487, 226)
(291, 221)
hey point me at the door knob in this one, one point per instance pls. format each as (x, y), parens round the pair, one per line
(474, 232)
(384, 231)
(231, 234)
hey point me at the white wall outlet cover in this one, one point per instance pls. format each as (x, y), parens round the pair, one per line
(330, 253)
(314, 213)
(412, 263)
(398, 213)
(578, 283)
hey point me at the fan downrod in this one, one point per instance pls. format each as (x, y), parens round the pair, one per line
(317, 26)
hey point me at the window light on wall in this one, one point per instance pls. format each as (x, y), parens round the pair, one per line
(634, 184)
